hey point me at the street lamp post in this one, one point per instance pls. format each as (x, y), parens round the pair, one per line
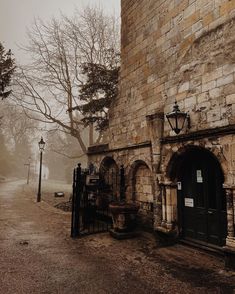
(28, 165)
(41, 145)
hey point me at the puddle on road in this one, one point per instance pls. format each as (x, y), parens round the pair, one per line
(24, 242)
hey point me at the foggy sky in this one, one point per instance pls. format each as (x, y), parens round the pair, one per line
(17, 15)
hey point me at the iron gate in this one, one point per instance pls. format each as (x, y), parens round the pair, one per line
(90, 207)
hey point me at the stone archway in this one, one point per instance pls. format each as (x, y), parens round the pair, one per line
(201, 198)
(141, 186)
(109, 175)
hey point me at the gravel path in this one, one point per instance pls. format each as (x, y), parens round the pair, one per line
(37, 255)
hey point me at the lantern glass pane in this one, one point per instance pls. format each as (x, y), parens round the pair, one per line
(172, 122)
(181, 120)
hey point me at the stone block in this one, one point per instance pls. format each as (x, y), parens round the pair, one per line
(199, 33)
(217, 23)
(228, 69)
(151, 78)
(195, 80)
(190, 10)
(229, 89)
(226, 7)
(203, 97)
(208, 86)
(190, 102)
(166, 28)
(207, 19)
(232, 13)
(230, 99)
(187, 43)
(172, 91)
(224, 80)
(183, 87)
(214, 75)
(204, 106)
(166, 45)
(197, 26)
(213, 115)
(181, 96)
(191, 20)
(206, 7)
(215, 93)
(147, 189)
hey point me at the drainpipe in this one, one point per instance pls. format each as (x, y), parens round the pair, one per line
(156, 125)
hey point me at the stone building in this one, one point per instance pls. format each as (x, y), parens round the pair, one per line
(183, 51)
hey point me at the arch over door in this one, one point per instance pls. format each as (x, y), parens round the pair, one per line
(201, 199)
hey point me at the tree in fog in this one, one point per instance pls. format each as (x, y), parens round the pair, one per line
(7, 66)
(6, 160)
(50, 86)
(61, 155)
(98, 91)
(16, 125)
(19, 133)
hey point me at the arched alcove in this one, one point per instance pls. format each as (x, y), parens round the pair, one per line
(141, 186)
(109, 174)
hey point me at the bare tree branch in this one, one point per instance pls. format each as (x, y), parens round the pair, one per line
(50, 85)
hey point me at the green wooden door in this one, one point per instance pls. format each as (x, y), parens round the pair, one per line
(203, 204)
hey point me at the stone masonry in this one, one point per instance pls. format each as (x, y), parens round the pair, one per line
(173, 50)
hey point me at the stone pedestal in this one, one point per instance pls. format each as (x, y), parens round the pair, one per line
(124, 219)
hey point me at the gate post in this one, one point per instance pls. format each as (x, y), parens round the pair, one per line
(77, 190)
(73, 206)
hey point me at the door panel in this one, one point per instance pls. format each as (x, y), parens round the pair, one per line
(189, 223)
(203, 206)
(213, 227)
(200, 228)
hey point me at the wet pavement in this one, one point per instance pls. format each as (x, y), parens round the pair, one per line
(37, 255)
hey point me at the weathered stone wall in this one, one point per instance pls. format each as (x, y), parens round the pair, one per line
(143, 184)
(143, 193)
(171, 50)
(175, 49)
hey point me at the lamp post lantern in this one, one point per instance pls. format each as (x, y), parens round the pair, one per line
(177, 119)
(41, 145)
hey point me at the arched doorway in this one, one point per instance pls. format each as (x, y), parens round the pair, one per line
(201, 197)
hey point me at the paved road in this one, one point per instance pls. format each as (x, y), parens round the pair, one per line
(38, 256)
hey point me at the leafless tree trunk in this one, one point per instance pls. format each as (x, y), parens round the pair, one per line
(49, 86)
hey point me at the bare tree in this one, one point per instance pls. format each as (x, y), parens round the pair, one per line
(16, 126)
(49, 86)
(17, 135)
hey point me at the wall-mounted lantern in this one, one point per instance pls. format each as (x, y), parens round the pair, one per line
(177, 119)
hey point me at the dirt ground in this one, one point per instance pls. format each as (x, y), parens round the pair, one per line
(37, 255)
